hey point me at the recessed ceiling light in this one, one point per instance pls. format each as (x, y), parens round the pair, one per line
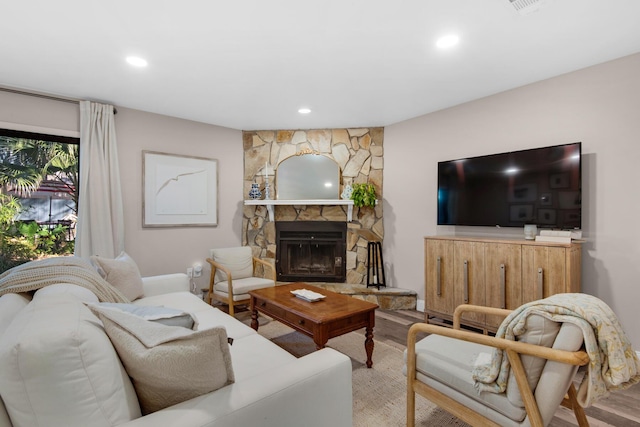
(447, 41)
(304, 110)
(136, 61)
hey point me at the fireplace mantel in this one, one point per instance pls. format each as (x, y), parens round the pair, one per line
(311, 202)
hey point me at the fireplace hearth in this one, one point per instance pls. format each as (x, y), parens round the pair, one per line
(311, 251)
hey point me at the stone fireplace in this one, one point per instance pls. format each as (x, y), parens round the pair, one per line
(359, 155)
(311, 251)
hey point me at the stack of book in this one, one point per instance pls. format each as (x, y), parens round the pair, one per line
(558, 236)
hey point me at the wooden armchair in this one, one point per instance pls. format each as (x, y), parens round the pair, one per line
(543, 364)
(234, 272)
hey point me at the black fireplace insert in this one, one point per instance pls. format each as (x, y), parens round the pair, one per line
(311, 251)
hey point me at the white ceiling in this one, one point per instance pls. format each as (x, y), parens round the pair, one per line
(251, 64)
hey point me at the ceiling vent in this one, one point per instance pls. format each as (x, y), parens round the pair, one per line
(525, 7)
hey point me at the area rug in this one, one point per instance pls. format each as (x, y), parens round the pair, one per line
(379, 393)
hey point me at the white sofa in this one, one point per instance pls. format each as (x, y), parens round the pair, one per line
(271, 388)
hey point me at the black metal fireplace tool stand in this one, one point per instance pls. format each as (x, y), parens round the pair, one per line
(375, 265)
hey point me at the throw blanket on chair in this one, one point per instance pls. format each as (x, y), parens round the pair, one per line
(613, 363)
(48, 271)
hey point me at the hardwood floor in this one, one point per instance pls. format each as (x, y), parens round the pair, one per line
(619, 409)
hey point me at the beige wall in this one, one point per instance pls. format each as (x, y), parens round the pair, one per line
(599, 106)
(167, 250)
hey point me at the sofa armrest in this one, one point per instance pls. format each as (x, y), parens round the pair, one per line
(165, 283)
(314, 391)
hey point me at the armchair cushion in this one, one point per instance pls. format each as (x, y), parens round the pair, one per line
(613, 364)
(239, 261)
(539, 331)
(242, 286)
(449, 361)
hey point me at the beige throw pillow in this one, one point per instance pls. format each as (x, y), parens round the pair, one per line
(167, 364)
(121, 273)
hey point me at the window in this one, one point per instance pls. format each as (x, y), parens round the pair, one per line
(38, 196)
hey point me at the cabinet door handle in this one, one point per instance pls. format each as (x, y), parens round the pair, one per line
(540, 283)
(466, 281)
(503, 287)
(438, 277)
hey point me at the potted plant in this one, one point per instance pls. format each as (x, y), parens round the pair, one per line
(363, 195)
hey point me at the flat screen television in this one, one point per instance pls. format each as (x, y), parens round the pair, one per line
(539, 186)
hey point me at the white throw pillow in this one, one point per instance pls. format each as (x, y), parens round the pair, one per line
(121, 273)
(167, 364)
(60, 369)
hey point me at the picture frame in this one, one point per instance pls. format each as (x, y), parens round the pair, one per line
(569, 199)
(546, 216)
(520, 213)
(571, 218)
(559, 180)
(179, 190)
(523, 193)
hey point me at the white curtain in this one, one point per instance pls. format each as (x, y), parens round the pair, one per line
(100, 228)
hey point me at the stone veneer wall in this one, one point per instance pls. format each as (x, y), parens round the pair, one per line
(358, 152)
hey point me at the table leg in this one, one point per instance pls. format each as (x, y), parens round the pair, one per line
(320, 338)
(368, 345)
(254, 318)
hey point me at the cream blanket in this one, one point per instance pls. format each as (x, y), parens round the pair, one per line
(613, 363)
(48, 271)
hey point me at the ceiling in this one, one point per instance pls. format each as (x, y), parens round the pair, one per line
(251, 64)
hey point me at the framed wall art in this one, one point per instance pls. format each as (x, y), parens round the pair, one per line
(547, 216)
(520, 213)
(523, 193)
(179, 191)
(559, 180)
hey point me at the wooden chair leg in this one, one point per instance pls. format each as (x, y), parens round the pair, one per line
(231, 310)
(578, 411)
(411, 407)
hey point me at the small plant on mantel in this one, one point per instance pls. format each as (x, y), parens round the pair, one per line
(363, 195)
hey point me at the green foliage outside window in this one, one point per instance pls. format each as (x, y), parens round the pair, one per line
(24, 165)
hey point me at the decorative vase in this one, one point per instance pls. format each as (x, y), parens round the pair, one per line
(255, 192)
(346, 192)
(530, 231)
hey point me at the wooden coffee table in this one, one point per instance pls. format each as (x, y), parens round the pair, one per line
(330, 317)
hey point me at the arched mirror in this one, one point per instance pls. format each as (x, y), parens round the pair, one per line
(308, 177)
